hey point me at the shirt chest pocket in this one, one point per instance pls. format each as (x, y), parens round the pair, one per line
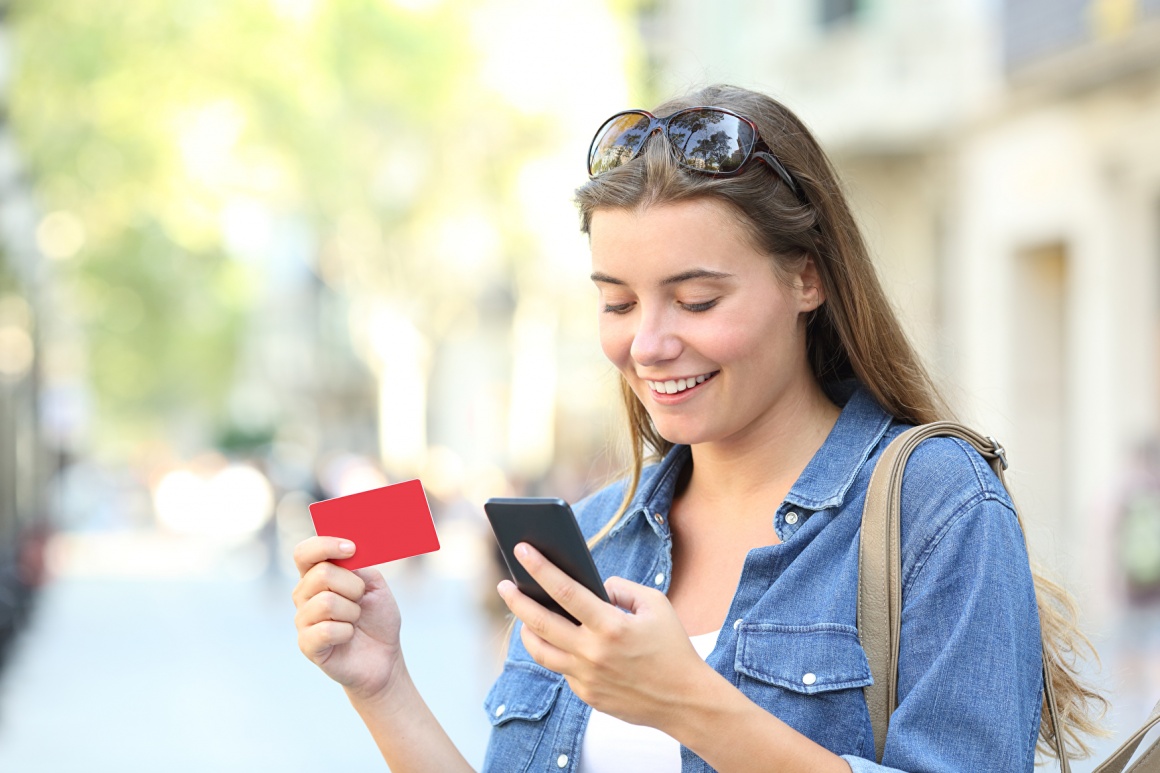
(810, 677)
(519, 706)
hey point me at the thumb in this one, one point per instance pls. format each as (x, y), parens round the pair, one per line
(628, 595)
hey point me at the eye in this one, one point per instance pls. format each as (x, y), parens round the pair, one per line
(695, 307)
(620, 308)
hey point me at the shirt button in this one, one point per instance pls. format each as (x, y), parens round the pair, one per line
(659, 579)
(500, 709)
(809, 679)
(562, 761)
(736, 624)
(660, 518)
(791, 517)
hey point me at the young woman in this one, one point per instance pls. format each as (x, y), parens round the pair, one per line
(763, 366)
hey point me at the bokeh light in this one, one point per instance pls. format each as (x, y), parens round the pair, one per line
(230, 505)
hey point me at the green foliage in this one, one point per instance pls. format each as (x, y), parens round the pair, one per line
(144, 119)
(362, 121)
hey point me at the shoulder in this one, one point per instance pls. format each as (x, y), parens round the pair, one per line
(595, 510)
(950, 494)
(950, 471)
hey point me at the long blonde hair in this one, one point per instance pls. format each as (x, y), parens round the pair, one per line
(854, 334)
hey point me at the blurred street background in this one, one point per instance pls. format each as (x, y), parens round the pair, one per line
(257, 253)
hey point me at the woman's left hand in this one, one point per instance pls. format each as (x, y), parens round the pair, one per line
(639, 667)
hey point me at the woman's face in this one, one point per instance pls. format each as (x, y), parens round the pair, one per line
(707, 335)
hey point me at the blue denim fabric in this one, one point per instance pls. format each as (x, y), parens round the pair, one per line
(970, 664)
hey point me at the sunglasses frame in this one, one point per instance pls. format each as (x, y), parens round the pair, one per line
(753, 151)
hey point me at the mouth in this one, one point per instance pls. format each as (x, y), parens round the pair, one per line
(672, 386)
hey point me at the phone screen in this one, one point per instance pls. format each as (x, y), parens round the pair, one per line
(548, 525)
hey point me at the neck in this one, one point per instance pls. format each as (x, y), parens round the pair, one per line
(766, 458)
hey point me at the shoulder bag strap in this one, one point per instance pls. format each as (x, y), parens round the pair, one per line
(880, 595)
(880, 567)
(1148, 762)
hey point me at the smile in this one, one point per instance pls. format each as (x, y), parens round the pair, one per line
(672, 386)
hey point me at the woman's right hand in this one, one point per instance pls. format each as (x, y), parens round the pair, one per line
(348, 622)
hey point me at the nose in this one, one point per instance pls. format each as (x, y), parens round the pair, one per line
(655, 340)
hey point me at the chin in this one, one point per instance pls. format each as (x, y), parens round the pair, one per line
(680, 433)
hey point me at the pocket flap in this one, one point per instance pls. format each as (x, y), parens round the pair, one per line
(803, 658)
(523, 691)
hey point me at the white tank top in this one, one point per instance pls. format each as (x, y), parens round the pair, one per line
(614, 746)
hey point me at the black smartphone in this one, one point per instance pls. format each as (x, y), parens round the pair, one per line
(548, 525)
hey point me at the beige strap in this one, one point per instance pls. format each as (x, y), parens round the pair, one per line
(880, 596)
(880, 566)
(1149, 761)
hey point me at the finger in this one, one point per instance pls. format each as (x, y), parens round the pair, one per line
(327, 606)
(372, 578)
(553, 628)
(580, 602)
(314, 550)
(628, 595)
(328, 577)
(317, 640)
(546, 654)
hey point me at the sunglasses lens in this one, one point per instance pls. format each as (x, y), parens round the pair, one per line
(617, 142)
(710, 140)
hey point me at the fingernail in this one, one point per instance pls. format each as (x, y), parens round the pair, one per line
(502, 587)
(521, 550)
(346, 547)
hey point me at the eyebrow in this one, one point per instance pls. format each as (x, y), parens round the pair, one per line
(684, 276)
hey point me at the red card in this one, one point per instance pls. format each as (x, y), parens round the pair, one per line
(385, 524)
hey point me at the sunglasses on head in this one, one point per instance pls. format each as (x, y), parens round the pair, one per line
(710, 140)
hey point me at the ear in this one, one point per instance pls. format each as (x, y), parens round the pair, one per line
(808, 284)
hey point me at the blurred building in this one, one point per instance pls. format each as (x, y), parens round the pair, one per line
(1003, 158)
(23, 462)
(299, 381)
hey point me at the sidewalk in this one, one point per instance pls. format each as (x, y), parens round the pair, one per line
(200, 674)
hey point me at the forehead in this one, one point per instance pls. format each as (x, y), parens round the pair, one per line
(649, 243)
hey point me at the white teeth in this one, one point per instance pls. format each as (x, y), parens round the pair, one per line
(672, 386)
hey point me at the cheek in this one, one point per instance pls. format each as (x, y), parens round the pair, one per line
(731, 336)
(753, 340)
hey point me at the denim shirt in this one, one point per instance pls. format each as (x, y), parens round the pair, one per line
(970, 680)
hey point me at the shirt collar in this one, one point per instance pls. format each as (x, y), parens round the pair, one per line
(654, 495)
(828, 477)
(824, 482)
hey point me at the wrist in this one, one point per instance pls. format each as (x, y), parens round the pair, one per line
(392, 695)
(703, 693)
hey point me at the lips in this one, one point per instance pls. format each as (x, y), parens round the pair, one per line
(672, 386)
